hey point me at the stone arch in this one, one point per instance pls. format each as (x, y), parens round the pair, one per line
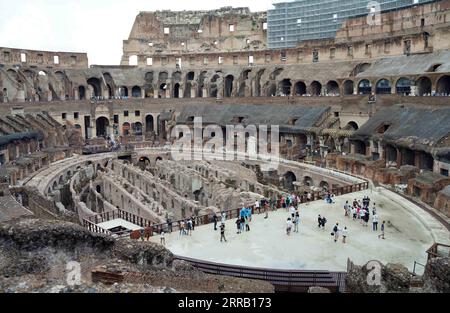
(176, 90)
(285, 87)
(383, 87)
(365, 87)
(123, 91)
(352, 126)
(81, 92)
(403, 86)
(424, 86)
(148, 86)
(359, 69)
(110, 85)
(149, 123)
(137, 128)
(272, 90)
(308, 181)
(289, 179)
(136, 92)
(126, 127)
(190, 76)
(102, 124)
(324, 186)
(315, 88)
(333, 88)
(243, 82)
(349, 87)
(229, 80)
(96, 85)
(443, 85)
(300, 88)
(202, 84)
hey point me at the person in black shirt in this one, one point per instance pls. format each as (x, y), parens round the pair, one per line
(215, 221)
(222, 233)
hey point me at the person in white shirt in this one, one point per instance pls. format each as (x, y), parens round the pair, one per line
(289, 227)
(163, 238)
(362, 214)
(375, 220)
(224, 218)
(292, 210)
(344, 235)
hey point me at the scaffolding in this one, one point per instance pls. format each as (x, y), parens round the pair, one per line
(300, 20)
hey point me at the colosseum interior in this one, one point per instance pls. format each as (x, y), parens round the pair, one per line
(85, 151)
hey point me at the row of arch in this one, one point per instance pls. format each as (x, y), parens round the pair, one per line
(102, 124)
(290, 178)
(403, 85)
(216, 84)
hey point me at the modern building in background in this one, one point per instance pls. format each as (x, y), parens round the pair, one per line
(292, 22)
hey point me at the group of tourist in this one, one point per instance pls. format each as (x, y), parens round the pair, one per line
(187, 226)
(358, 211)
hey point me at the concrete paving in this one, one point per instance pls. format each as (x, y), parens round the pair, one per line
(408, 236)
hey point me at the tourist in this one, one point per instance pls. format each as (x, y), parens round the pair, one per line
(273, 203)
(238, 224)
(182, 226)
(224, 218)
(354, 213)
(283, 203)
(257, 206)
(375, 220)
(324, 222)
(297, 222)
(308, 198)
(169, 226)
(189, 227)
(347, 209)
(163, 238)
(366, 217)
(242, 224)
(362, 214)
(383, 229)
(222, 233)
(266, 210)
(292, 210)
(193, 223)
(215, 221)
(374, 209)
(319, 220)
(289, 226)
(344, 235)
(142, 232)
(335, 232)
(247, 224)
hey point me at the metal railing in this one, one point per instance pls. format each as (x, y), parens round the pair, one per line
(434, 252)
(282, 280)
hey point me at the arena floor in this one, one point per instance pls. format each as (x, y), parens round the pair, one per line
(268, 246)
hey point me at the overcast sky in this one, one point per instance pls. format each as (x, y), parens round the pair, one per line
(97, 27)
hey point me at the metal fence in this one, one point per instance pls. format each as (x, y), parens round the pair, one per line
(282, 280)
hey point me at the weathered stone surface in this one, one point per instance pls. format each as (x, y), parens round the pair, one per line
(34, 255)
(396, 278)
(437, 275)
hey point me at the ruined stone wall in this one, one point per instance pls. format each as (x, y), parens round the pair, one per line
(222, 30)
(44, 59)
